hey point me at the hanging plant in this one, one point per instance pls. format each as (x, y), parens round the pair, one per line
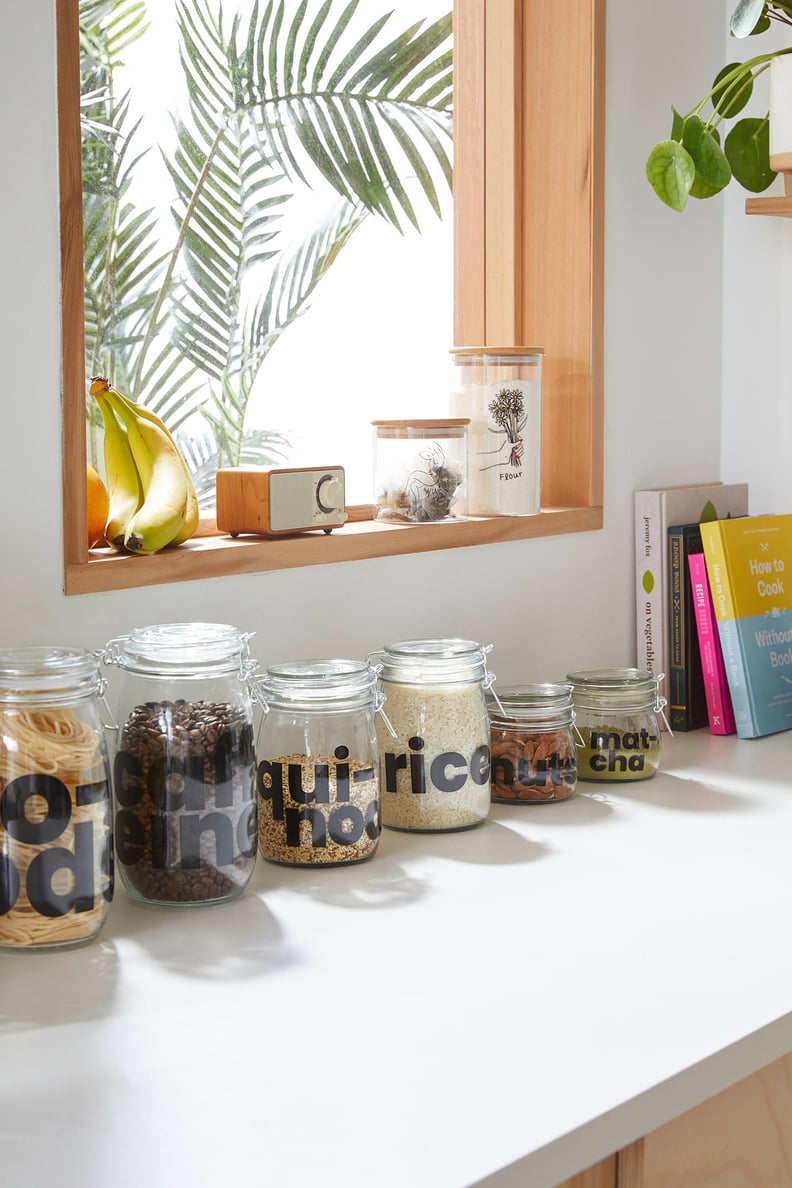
(695, 162)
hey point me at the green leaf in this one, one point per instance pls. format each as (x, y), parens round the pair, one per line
(677, 125)
(713, 171)
(745, 17)
(748, 149)
(671, 173)
(732, 88)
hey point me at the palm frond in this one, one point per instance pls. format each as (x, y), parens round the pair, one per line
(369, 106)
(204, 455)
(296, 276)
(109, 27)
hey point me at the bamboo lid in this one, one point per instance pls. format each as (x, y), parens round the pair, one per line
(497, 350)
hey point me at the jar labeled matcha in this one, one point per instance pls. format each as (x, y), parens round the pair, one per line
(617, 729)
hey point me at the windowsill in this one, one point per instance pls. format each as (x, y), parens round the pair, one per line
(222, 556)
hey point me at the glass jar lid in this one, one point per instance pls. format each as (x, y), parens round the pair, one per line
(48, 675)
(533, 704)
(619, 688)
(182, 649)
(433, 661)
(317, 685)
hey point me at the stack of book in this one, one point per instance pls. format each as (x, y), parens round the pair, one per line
(714, 608)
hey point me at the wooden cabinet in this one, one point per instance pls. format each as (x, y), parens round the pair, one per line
(741, 1138)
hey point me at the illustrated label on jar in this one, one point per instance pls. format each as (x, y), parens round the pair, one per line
(53, 843)
(184, 784)
(611, 753)
(318, 808)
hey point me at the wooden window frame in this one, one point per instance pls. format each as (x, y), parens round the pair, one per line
(528, 270)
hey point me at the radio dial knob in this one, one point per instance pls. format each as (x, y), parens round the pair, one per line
(328, 493)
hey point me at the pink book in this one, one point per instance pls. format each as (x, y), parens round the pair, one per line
(716, 685)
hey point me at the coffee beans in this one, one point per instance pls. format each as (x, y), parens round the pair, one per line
(185, 806)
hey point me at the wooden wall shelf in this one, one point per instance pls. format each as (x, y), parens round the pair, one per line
(780, 206)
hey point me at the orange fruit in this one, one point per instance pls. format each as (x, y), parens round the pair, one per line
(98, 507)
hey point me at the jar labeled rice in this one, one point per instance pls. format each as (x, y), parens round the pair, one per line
(56, 865)
(318, 765)
(184, 767)
(433, 734)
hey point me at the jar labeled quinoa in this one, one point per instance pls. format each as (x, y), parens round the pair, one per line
(433, 734)
(184, 767)
(318, 767)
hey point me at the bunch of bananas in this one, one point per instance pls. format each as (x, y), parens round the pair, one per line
(152, 497)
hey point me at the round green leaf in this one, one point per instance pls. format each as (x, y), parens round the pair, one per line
(747, 16)
(713, 171)
(748, 150)
(703, 189)
(671, 173)
(735, 90)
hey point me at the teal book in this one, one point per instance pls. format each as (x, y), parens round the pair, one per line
(749, 566)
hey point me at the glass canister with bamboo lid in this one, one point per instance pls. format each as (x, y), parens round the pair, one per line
(500, 390)
(420, 470)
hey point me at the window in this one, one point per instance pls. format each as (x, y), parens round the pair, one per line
(528, 269)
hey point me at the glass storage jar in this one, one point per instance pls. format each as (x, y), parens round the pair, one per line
(56, 865)
(534, 758)
(500, 390)
(433, 734)
(420, 470)
(616, 722)
(318, 764)
(184, 767)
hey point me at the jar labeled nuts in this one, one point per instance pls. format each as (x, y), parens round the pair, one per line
(534, 758)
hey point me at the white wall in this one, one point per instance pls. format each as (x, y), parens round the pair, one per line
(757, 342)
(546, 605)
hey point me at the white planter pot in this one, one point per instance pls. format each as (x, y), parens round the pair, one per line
(781, 114)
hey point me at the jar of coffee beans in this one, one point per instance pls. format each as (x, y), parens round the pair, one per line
(184, 763)
(433, 735)
(534, 759)
(318, 767)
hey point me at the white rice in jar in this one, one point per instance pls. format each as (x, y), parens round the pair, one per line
(436, 772)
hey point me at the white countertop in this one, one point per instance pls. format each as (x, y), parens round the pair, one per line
(503, 1006)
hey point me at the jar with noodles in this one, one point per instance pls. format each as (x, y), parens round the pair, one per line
(56, 871)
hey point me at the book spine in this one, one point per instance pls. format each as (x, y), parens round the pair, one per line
(716, 689)
(731, 644)
(687, 700)
(650, 602)
(677, 692)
